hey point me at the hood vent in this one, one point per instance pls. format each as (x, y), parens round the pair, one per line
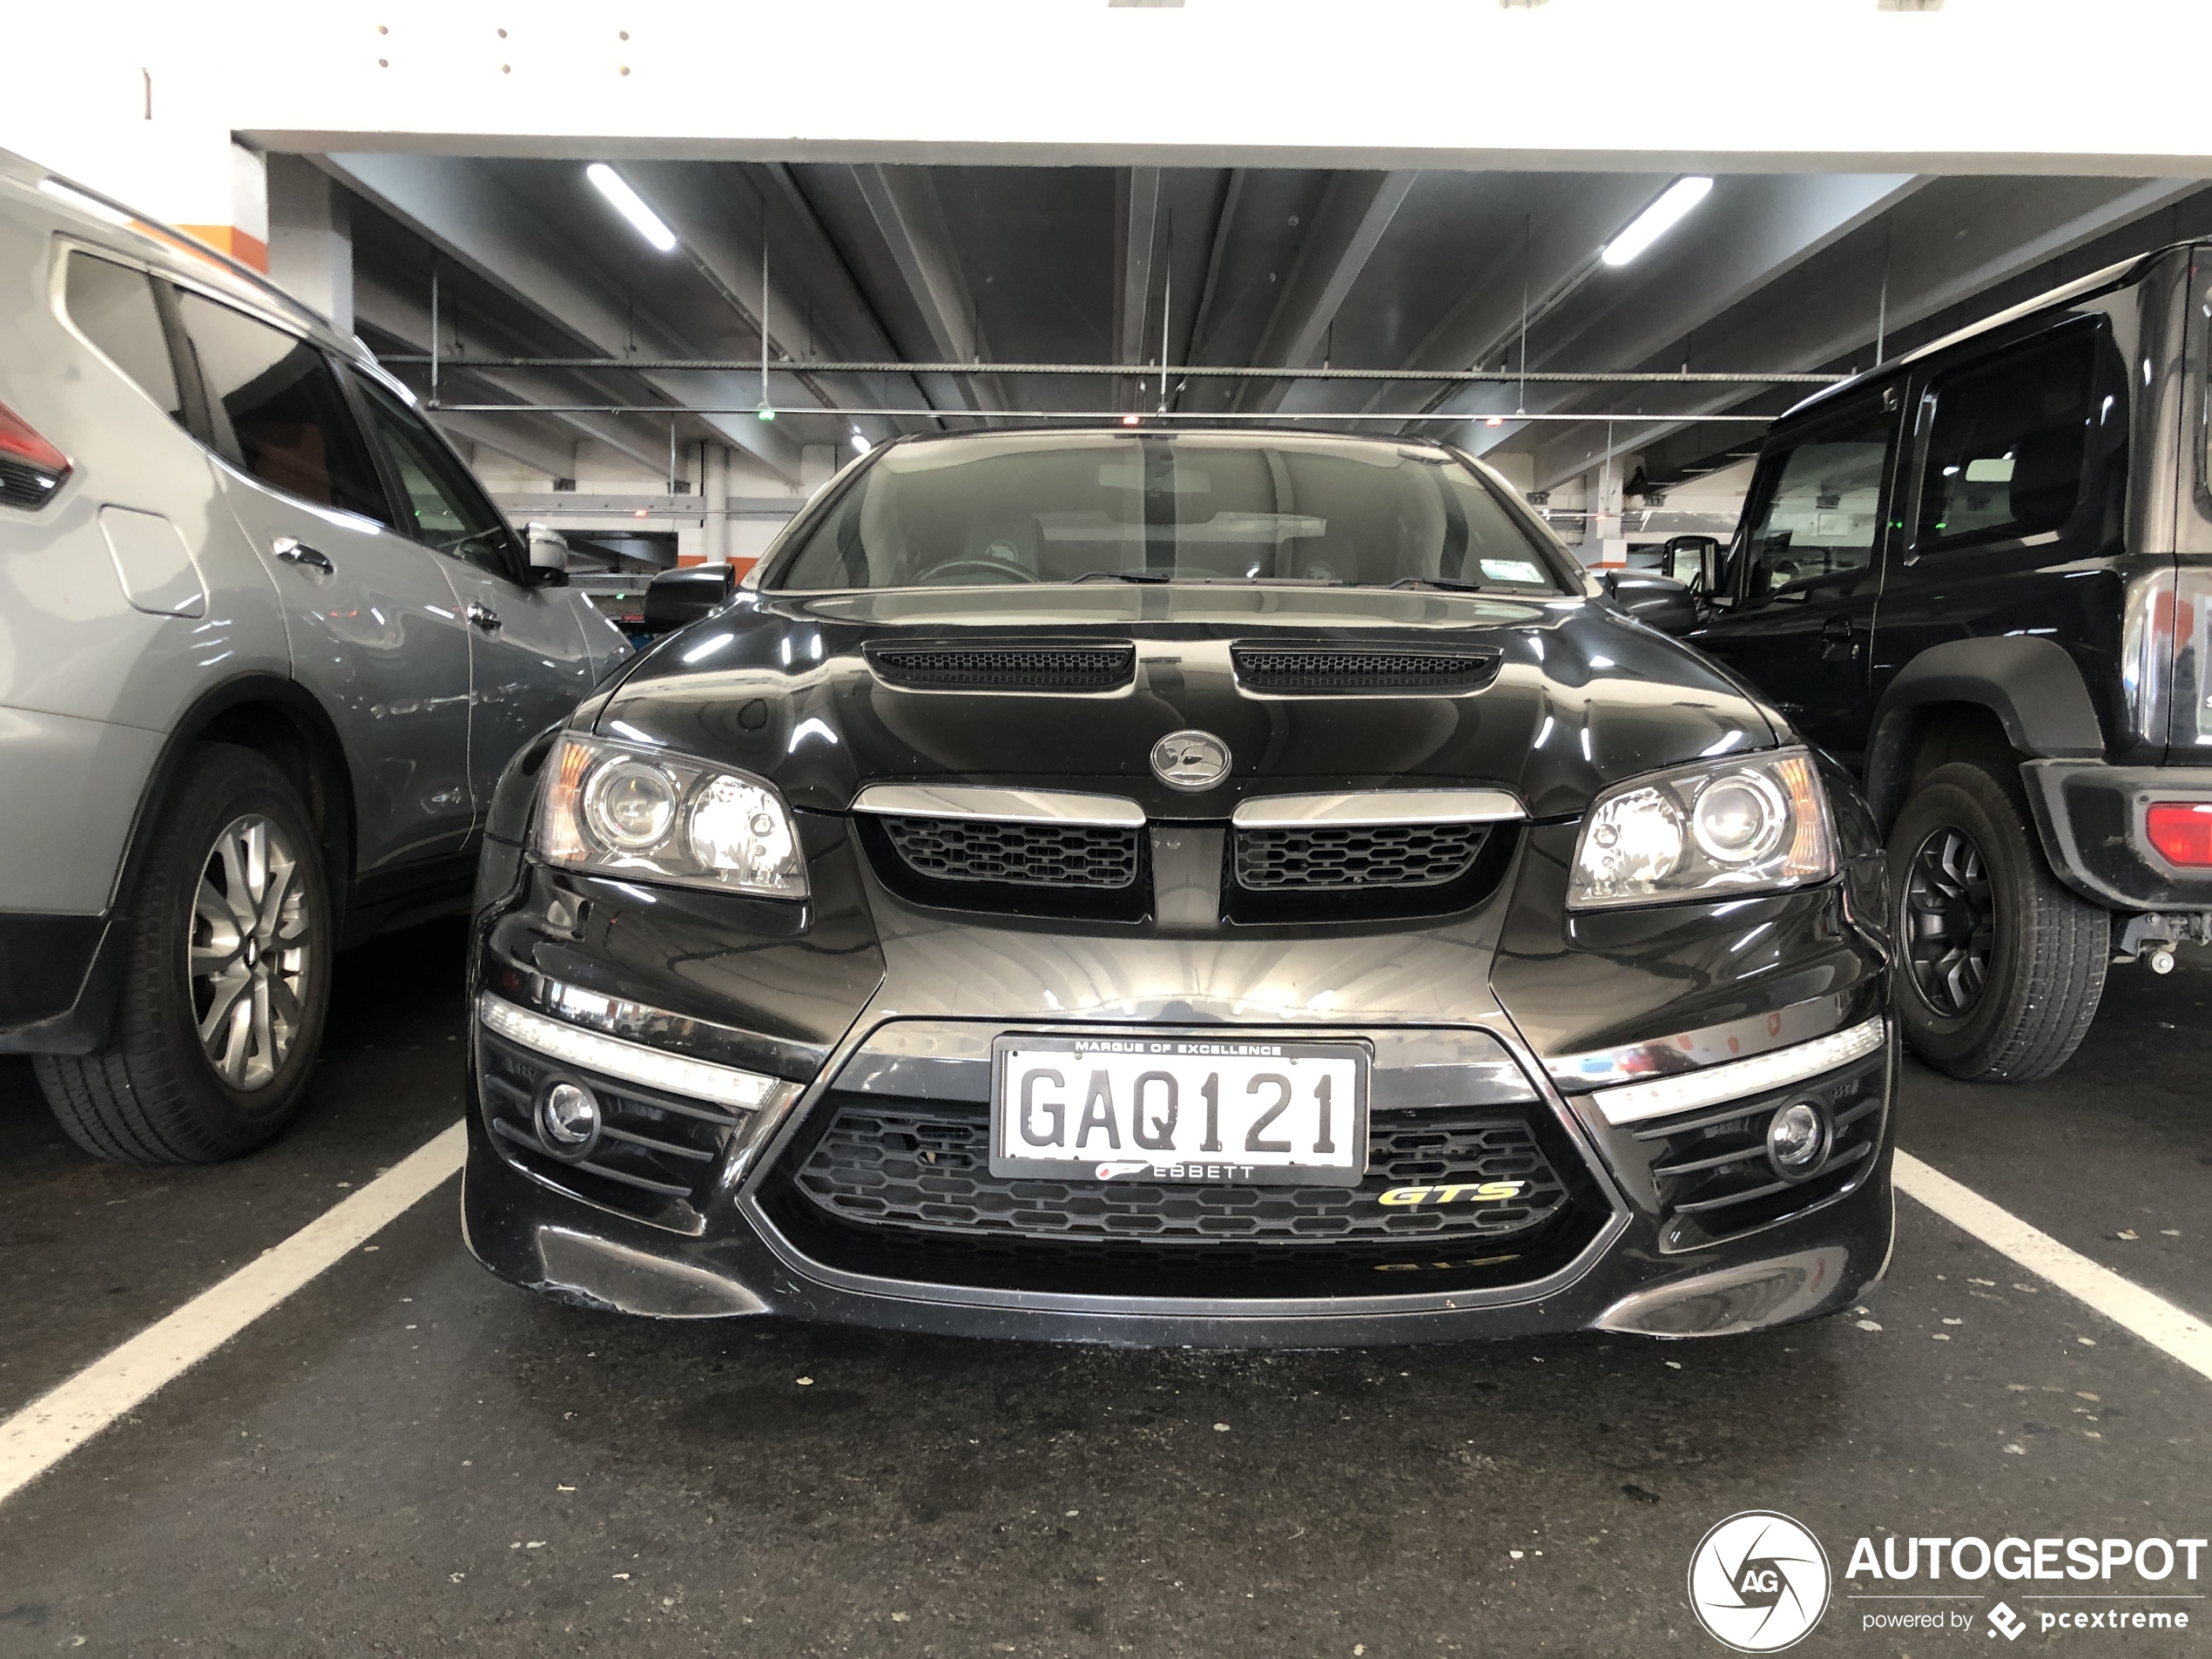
(1035, 665)
(1336, 671)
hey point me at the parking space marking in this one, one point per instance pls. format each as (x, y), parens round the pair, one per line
(2154, 1318)
(58, 1422)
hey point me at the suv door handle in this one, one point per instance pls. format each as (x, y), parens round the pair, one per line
(293, 551)
(483, 616)
(1835, 627)
(1836, 638)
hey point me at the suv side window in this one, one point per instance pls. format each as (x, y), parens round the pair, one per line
(113, 306)
(279, 410)
(1817, 507)
(448, 510)
(2008, 446)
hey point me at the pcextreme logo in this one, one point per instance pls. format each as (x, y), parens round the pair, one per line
(1758, 1582)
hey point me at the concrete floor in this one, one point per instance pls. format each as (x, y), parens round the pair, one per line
(408, 1457)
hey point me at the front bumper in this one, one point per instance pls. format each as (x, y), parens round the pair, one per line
(1633, 1247)
(2091, 817)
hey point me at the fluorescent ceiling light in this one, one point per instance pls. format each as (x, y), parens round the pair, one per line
(860, 444)
(632, 207)
(1657, 219)
(83, 203)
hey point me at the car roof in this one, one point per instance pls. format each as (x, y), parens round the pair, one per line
(2118, 275)
(91, 217)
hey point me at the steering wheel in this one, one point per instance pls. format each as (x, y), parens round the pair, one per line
(991, 568)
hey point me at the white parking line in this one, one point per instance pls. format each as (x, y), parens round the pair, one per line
(2154, 1318)
(58, 1422)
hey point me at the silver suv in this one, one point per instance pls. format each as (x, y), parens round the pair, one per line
(264, 646)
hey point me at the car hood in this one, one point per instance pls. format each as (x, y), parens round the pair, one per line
(782, 686)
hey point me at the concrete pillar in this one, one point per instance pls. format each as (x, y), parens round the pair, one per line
(717, 488)
(311, 239)
(1604, 544)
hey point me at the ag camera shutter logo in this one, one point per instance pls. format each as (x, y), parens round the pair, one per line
(1758, 1582)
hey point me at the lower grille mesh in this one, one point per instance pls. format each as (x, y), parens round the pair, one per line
(1034, 855)
(1334, 858)
(924, 1168)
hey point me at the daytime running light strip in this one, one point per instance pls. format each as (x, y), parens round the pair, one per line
(1665, 1097)
(632, 1062)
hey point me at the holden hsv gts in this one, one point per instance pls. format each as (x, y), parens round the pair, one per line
(1182, 887)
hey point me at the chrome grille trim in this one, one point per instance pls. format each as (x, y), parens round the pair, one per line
(1376, 808)
(999, 806)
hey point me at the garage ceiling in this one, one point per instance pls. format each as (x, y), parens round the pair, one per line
(1276, 268)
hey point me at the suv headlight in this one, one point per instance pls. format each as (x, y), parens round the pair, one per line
(1748, 824)
(625, 809)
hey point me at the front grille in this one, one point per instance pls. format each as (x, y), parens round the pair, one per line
(1333, 858)
(903, 1187)
(655, 1157)
(1028, 855)
(1711, 1171)
(1041, 667)
(1337, 670)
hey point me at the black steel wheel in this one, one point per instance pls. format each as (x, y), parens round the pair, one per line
(1950, 923)
(2001, 965)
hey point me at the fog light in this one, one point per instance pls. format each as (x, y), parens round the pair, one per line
(567, 1119)
(1796, 1139)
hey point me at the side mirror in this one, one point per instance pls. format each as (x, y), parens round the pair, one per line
(1691, 559)
(1657, 601)
(677, 598)
(548, 558)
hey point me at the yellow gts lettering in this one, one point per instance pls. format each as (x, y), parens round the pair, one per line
(1471, 1192)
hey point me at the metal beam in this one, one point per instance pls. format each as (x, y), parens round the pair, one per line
(1938, 273)
(460, 206)
(904, 206)
(405, 319)
(1355, 210)
(1138, 193)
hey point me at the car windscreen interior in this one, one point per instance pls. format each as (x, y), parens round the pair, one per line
(1817, 508)
(2007, 447)
(285, 410)
(1077, 506)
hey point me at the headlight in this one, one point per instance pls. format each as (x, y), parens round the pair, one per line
(1757, 822)
(625, 810)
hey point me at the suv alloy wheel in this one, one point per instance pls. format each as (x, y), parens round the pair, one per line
(226, 983)
(2001, 966)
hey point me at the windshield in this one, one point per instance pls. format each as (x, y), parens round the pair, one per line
(1152, 507)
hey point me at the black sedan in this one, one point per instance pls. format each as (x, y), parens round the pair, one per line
(1180, 888)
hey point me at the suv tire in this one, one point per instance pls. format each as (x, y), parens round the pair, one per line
(2000, 967)
(230, 931)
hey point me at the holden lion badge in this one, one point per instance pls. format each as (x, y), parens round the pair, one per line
(1190, 760)
(1758, 1583)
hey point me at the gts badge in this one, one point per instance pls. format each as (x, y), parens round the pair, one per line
(1471, 1192)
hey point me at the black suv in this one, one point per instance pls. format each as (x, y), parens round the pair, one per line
(1979, 576)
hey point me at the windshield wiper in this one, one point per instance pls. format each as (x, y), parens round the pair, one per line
(1448, 584)
(1125, 576)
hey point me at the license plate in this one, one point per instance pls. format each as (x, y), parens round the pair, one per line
(1209, 1110)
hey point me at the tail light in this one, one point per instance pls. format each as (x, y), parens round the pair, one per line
(2181, 831)
(31, 469)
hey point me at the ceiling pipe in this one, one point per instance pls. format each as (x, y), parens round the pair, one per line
(1138, 372)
